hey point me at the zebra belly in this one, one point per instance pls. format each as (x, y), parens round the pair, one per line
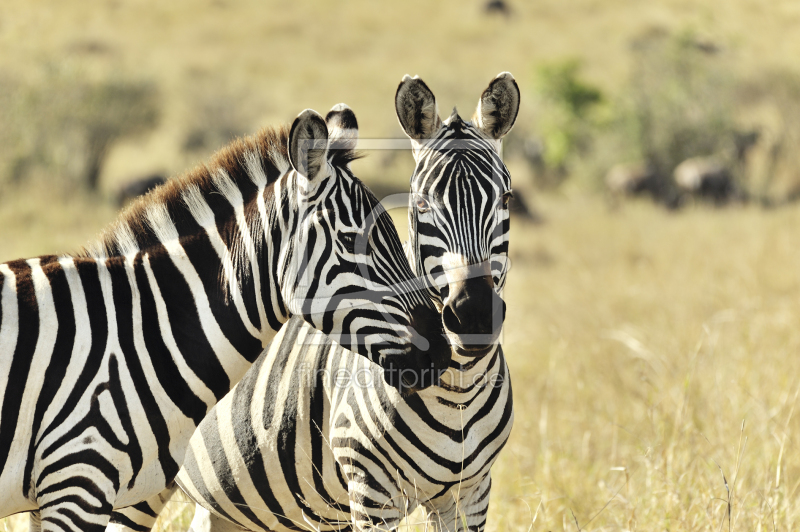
(105, 425)
(109, 424)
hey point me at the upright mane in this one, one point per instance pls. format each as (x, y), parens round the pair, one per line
(247, 163)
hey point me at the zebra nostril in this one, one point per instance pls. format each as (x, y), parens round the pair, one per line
(444, 292)
(498, 311)
(450, 320)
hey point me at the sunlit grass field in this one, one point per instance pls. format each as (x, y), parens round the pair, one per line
(654, 355)
(651, 353)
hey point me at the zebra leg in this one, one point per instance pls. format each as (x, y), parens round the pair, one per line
(72, 508)
(35, 522)
(205, 521)
(470, 512)
(372, 508)
(140, 517)
(475, 507)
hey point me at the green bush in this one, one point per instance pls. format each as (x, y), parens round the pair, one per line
(567, 117)
(682, 100)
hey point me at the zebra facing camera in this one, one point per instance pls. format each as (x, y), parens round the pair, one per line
(468, 343)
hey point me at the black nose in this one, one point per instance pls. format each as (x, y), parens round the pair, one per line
(474, 312)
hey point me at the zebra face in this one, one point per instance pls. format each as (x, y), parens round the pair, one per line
(458, 210)
(349, 275)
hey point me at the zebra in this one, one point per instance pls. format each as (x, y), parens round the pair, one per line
(110, 358)
(312, 438)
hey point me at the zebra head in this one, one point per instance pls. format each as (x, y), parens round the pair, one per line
(347, 274)
(458, 210)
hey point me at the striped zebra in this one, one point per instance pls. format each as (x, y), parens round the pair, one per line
(109, 359)
(312, 439)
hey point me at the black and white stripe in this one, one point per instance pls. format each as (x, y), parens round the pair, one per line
(312, 438)
(110, 359)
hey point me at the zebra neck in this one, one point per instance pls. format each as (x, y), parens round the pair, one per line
(288, 264)
(466, 373)
(180, 298)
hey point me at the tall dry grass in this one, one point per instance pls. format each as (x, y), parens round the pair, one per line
(650, 355)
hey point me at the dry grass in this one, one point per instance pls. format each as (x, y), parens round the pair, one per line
(650, 353)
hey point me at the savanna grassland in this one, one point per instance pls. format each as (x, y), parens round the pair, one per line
(654, 354)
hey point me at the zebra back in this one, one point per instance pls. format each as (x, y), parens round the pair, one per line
(110, 358)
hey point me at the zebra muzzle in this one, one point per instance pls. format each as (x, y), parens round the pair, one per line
(473, 313)
(420, 368)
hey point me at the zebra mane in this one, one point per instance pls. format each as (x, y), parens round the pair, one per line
(246, 164)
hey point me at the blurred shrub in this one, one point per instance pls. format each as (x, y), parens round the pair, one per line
(680, 102)
(217, 115)
(774, 172)
(683, 100)
(65, 127)
(567, 121)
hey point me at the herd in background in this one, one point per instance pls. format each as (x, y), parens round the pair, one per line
(709, 179)
(672, 135)
(712, 178)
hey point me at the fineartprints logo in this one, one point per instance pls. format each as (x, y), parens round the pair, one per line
(367, 375)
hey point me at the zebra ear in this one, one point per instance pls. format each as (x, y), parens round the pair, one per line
(498, 107)
(308, 143)
(416, 108)
(343, 129)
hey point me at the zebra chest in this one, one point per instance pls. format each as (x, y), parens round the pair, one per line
(425, 442)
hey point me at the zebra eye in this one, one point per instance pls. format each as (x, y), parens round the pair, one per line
(506, 198)
(349, 241)
(422, 204)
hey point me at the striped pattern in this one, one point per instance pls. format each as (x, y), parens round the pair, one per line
(312, 438)
(110, 359)
(458, 211)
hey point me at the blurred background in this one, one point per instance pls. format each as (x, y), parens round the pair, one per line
(654, 299)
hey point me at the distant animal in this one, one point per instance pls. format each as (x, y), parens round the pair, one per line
(497, 7)
(518, 206)
(139, 187)
(633, 179)
(111, 358)
(743, 142)
(705, 178)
